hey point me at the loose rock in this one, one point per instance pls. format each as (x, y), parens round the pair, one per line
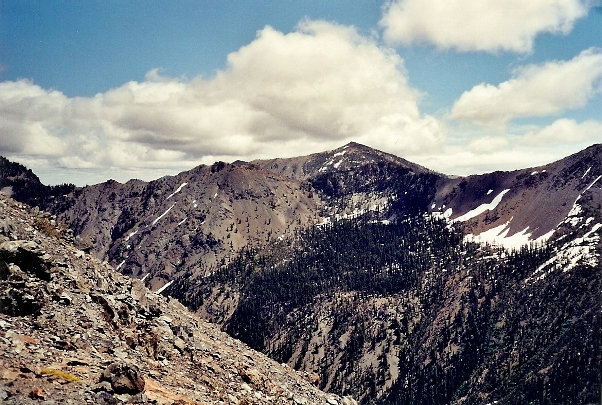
(124, 378)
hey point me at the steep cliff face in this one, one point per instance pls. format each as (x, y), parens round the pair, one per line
(74, 331)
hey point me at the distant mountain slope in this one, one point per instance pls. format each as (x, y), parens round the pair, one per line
(74, 331)
(406, 312)
(195, 220)
(21, 183)
(217, 210)
(532, 202)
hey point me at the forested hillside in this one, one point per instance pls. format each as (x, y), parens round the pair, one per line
(22, 184)
(407, 312)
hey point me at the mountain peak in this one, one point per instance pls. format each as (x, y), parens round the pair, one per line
(347, 157)
(354, 145)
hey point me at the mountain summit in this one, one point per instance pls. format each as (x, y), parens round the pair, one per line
(344, 158)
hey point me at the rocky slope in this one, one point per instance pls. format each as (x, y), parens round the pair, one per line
(514, 208)
(74, 331)
(196, 220)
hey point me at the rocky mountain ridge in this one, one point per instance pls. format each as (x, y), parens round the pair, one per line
(202, 218)
(74, 331)
(532, 202)
(198, 219)
(345, 158)
(22, 184)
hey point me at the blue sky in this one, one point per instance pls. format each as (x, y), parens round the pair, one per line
(103, 44)
(119, 89)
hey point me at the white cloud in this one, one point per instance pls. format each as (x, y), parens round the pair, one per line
(283, 94)
(565, 131)
(477, 25)
(521, 149)
(534, 90)
(488, 144)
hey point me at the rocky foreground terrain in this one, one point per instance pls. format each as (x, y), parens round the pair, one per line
(74, 331)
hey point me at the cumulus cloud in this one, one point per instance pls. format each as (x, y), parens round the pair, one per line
(487, 144)
(315, 88)
(565, 131)
(534, 90)
(519, 149)
(477, 25)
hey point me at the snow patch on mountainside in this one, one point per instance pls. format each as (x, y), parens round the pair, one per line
(131, 234)
(483, 207)
(581, 250)
(499, 236)
(325, 221)
(447, 214)
(355, 206)
(177, 190)
(574, 217)
(333, 161)
(545, 236)
(162, 215)
(588, 187)
(160, 290)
